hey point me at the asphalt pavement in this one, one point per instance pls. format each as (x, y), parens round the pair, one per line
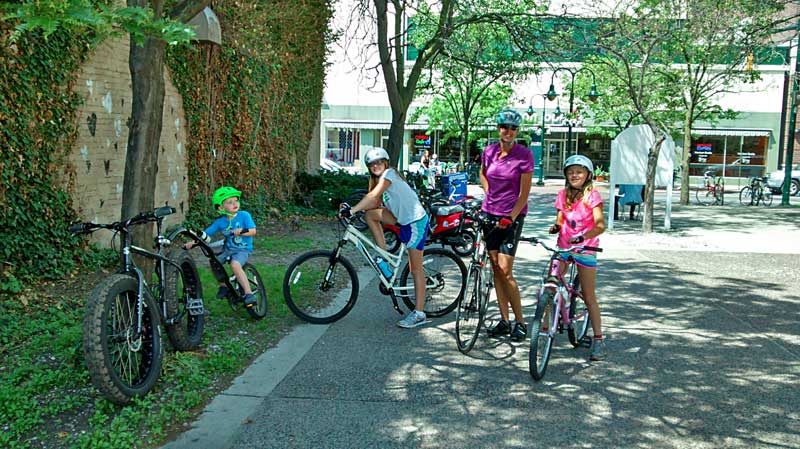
(702, 329)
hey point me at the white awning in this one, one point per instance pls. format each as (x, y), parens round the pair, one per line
(731, 132)
(368, 124)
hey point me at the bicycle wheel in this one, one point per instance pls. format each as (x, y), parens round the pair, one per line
(766, 197)
(319, 288)
(578, 312)
(122, 362)
(259, 310)
(392, 241)
(468, 313)
(705, 196)
(445, 275)
(465, 249)
(184, 303)
(488, 285)
(541, 335)
(746, 196)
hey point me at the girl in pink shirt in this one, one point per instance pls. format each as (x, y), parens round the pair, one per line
(579, 221)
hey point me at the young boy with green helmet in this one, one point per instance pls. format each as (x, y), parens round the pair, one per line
(238, 228)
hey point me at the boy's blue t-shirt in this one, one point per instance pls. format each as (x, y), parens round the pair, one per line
(241, 220)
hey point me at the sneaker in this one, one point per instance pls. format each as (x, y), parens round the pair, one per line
(501, 328)
(598, 350)
(413, 319)
(249, 300)
(520, 332)
(222, 292)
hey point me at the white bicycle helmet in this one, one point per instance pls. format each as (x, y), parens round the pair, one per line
(579, 159)
(376, 154)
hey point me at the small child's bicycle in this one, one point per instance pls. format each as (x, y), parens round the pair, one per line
(235, 292)
(559, 306)
(322, 286)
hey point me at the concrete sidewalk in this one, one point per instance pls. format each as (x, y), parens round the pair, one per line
(699, 358)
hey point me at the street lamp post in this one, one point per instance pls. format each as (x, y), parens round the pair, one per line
(530, 112)
(551, 95)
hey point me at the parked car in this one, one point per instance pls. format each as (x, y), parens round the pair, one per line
(775, 181)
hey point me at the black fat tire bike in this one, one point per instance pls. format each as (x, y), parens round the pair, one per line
(121, 325)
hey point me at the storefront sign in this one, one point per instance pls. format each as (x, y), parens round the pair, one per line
(422, 140)
(744, 158)
(703, 151)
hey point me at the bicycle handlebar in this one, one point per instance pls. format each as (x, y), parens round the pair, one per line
(536, 241)
(141, 218)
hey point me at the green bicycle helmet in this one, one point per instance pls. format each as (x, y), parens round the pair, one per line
(509, 117)
(222, 194)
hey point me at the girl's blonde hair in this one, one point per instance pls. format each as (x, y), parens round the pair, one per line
(373, 180)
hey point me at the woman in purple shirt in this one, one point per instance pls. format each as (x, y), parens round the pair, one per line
(506, 172)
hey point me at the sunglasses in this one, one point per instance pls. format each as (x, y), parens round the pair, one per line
(511, 127)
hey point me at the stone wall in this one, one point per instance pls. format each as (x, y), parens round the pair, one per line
(99, 153)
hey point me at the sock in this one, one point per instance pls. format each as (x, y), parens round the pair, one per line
(598, 337)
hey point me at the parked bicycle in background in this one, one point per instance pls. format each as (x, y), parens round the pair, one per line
(711, 190)
(756, 193)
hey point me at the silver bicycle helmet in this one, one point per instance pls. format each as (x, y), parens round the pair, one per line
(376, 154)
(579, 159)
(509, 117)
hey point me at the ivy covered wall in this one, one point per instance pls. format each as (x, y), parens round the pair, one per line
(37, 130)
(252, 103)
(251, 106)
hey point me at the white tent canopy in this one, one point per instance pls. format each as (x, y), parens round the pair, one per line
(629, 165)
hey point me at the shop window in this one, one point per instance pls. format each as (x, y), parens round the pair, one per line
(735, 156)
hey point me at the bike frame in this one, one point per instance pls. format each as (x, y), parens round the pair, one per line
(129, 266)
(366, 247)
(554, 279)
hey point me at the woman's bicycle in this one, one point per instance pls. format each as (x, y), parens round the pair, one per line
(121, 335)
(235, 295)
(559, 306)
(711, 191)
(471, 310)
(322, 286)
(756, 193)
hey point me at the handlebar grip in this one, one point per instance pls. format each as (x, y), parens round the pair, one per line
(593, 248)
(77, 228)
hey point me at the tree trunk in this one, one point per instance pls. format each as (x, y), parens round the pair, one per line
(649, 189)
(141, 160)
(396, 133)
(687, 147)
(463, 155)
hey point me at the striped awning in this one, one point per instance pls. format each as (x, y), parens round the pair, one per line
(731, 132)
(368, 124)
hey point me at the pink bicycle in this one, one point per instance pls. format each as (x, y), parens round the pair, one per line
(559, 306)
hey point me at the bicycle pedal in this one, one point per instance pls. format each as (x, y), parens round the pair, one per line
(195, 307)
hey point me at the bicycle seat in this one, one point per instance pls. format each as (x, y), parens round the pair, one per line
(446, 210)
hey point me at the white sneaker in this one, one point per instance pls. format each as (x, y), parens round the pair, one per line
(413, 319)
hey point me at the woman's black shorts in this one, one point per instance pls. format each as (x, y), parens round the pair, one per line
(503, 240)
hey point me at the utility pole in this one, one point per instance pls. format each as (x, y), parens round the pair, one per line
(787, 161)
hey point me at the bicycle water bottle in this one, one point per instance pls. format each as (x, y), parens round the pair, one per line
(384, 266)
